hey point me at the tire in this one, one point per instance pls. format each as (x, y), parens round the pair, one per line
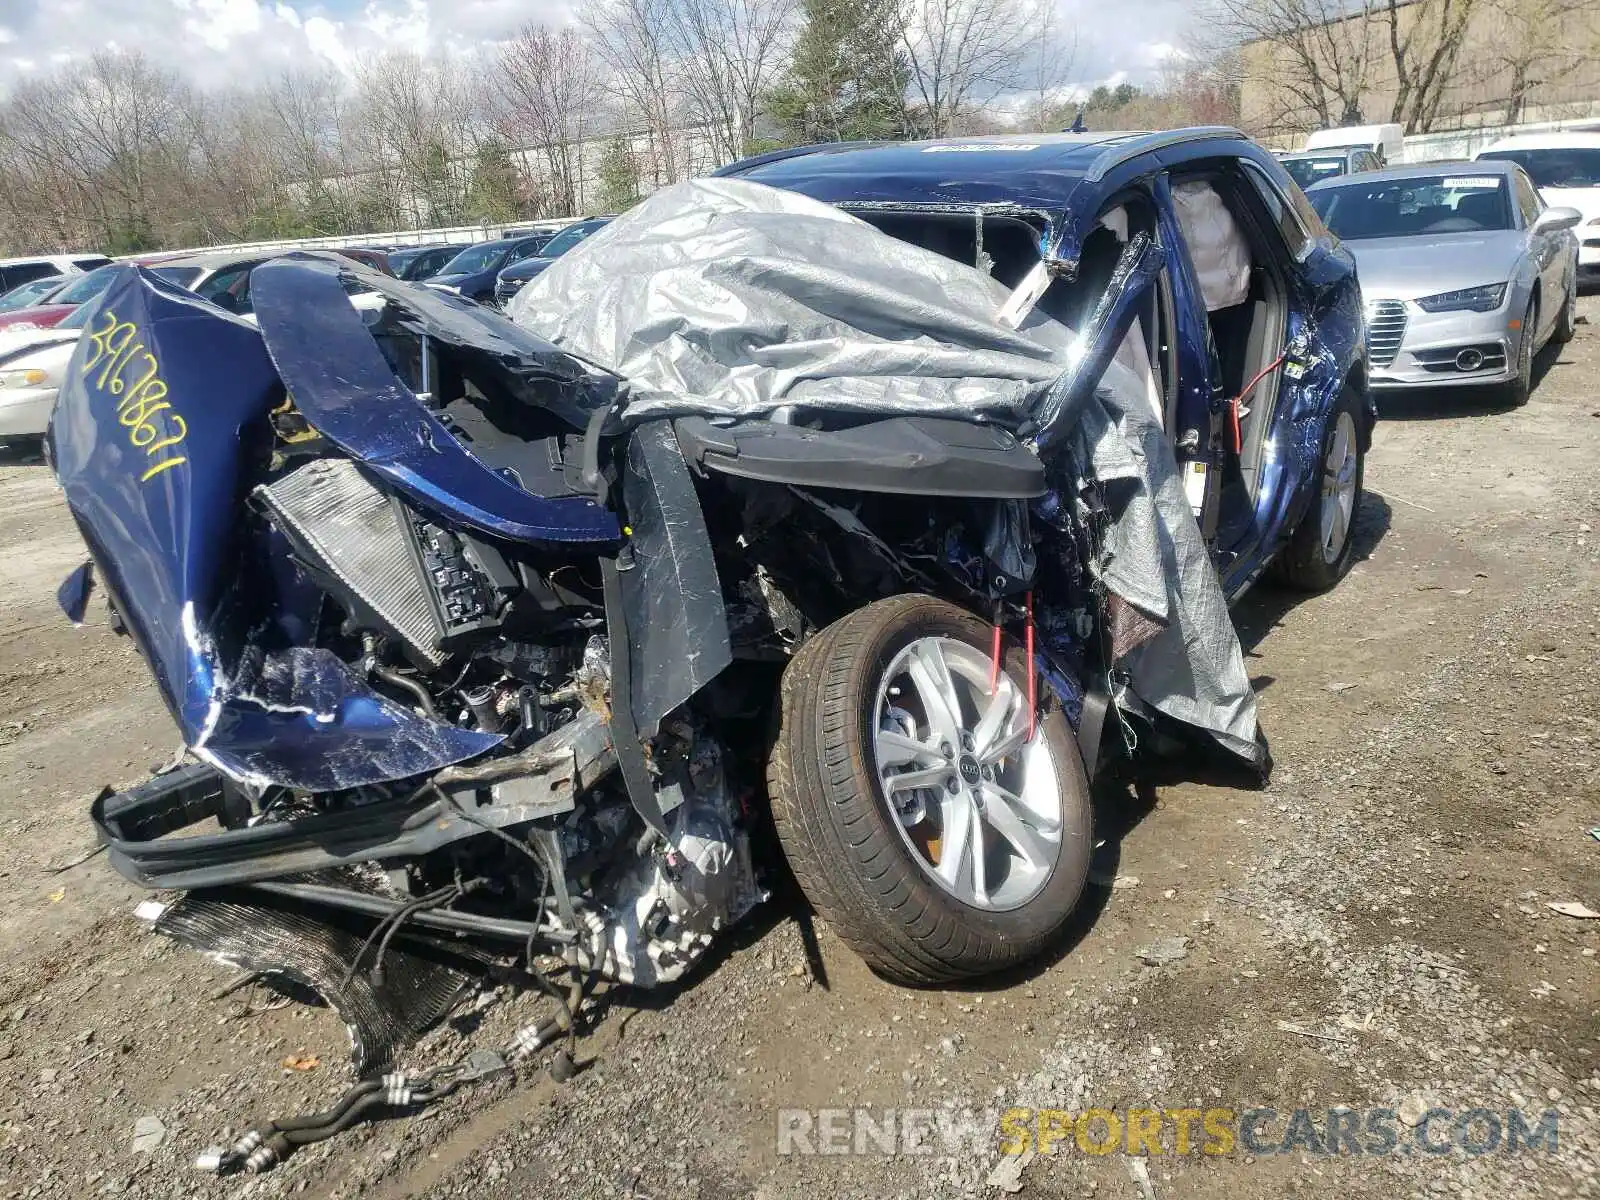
(852, 851)
(1308, 563)
(1567, 325)
(1520, 388)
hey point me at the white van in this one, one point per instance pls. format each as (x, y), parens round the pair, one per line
(1386, 141)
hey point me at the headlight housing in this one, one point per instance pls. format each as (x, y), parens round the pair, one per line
(26, 377)
(1474, 299)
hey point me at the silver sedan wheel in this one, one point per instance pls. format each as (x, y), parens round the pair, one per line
(1339, 487)
(976, 802)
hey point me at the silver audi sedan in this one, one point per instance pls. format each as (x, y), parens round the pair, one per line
(1465, 272)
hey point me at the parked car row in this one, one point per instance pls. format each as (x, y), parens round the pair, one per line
(1467, 269)
(43, 321)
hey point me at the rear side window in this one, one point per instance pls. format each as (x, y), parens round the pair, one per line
(1528, 202)
(1291, 212)
(20, 273)
(90, 263)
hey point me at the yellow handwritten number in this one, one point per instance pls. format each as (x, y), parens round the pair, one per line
(143, 408)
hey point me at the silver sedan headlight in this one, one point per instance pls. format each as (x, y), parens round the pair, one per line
(1475, 299)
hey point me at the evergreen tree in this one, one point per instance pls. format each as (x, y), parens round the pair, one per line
(496, 189)
(619, 176)
(847, 80)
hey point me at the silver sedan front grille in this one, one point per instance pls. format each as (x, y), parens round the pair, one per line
(1386, 329)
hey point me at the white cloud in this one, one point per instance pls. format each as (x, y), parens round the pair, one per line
(223, 42)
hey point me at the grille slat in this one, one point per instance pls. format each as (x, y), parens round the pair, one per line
(1386, 329)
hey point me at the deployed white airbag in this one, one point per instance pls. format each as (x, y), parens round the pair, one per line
(1218, 249)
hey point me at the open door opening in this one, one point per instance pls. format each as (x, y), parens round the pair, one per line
(1247, 308)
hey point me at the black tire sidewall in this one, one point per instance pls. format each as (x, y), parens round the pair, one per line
(1306, 567)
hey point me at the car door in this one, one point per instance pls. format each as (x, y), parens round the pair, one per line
(1546, 249)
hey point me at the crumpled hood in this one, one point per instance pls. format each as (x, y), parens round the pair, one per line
(1404, 268)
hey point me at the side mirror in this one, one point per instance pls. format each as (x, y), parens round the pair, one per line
(1555, 220)
(226, 301)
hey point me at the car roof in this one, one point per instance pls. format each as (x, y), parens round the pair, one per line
(1008, 164)
(1418, 171)
(1327, 152)
(1572, 139)
(52, 259)
(220, 260)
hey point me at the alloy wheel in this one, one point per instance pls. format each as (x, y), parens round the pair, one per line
(978, 804)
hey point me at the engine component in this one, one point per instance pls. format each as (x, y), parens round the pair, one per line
(669, 903)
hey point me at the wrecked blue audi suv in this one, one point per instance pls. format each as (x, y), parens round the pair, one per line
(872, 495)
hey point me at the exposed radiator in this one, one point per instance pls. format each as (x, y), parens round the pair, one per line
(359, 536)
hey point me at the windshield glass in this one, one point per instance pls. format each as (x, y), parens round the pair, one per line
(86, 288)
(568, 238)
(29, 293)
(1407, 207)
(1569, 167)
(483, 257)
(1306, 171)
(182, 276)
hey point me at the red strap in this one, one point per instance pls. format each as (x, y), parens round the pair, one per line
(1233, 405)
(1033, 695)
(994, 658)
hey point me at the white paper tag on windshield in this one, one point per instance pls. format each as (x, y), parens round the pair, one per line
(1024, 296)
(1463, 183)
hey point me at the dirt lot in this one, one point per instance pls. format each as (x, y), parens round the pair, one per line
(1370, 931)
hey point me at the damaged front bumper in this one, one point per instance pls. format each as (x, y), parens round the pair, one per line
(142, 827)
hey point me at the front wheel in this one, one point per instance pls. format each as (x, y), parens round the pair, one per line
(1567, 325)
(920, 820)
(1319, 552)
(1520, 388)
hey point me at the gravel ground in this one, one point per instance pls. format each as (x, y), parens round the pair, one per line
(1371, 931)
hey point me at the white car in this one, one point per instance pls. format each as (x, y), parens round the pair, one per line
(17, 271)
(33, 360)
(32, 363)
(1566, 169)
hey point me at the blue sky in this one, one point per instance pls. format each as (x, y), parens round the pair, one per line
(221, 41)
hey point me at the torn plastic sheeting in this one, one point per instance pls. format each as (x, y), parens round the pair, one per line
(720, 298)
(717, 297)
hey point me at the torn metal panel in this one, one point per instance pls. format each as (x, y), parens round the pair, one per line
(677, 622)
(346, 389)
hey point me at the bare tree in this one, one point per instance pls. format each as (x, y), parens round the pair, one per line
(549, 89)
(961, 51)
(1312, 59)
(729, 54)
(1339, 62)
(1425, 39)
(1537, 49)
(1049, 57)
(420, 127)
(634, 40)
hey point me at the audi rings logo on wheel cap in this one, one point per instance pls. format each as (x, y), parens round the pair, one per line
(968, 768)
(1469, 359)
